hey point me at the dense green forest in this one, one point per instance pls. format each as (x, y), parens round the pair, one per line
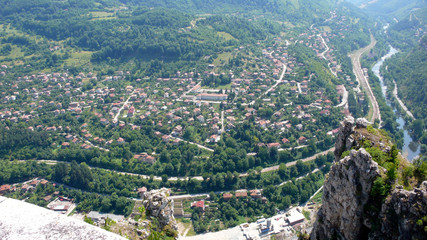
(135, 32)
(407, 33)
(293, 11)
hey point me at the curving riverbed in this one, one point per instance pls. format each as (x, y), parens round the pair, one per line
(410, 148)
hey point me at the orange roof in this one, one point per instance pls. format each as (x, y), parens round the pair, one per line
(227, 195)
(242, 194)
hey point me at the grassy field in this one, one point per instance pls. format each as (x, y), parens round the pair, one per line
(226, 36)
(14, 54)
(327, 29)
(222, 58)
(306, 214)
(12, 31)
(188, 226)
(318, 197)
(79, 58)
(102, 15)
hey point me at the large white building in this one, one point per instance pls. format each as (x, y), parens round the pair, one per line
(212, 97)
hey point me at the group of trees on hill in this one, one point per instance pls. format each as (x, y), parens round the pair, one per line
(293, 11)
(24, 142)
(138, 32)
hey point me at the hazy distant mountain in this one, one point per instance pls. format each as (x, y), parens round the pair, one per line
(294, 9)
(389, 8)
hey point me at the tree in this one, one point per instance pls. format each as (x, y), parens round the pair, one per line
(106, 204)
(285, 156)
(273, 154)
(286, 202)
(61, 171)
(320, 160)
(164, 178)
(418, 128)
(283, 171)
(121, 204)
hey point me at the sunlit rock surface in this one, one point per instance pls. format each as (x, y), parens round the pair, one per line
(20, 220)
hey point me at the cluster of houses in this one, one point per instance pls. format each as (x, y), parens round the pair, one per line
(28, 186)
(55, 202)
(166, 101)
(255, 194)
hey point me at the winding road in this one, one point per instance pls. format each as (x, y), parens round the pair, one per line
(275, 85)
(324, 52)
(363, 81)
(200, 178)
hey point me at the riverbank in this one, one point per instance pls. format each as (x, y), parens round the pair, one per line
(410, 149)
(402, 105)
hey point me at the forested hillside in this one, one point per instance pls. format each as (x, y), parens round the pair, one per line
(410, 73)
(389, 9)
(292, 10)
(406, 33)
(141, 33)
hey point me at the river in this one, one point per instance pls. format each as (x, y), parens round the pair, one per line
(410, 148)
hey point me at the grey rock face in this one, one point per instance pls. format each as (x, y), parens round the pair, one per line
(361, 123)
(157, 203)
(343, 143)
(346, 191)
(401, 212)
(347, 194)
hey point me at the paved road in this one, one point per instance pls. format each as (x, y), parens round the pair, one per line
(93, 145)
(326, 45)
(200, 178)
(222, 122)
(193, 143)
(344, 100)
(124, 104)
(185, 94)
(194, 195)
(275, 85)
(357, 69)
(400, 101)
(299, 178)
(299, 87)
(276, 167)
(324, 52)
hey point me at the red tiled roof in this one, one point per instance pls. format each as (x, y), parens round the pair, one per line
(198, 204)
(242, 194)
(227, 195)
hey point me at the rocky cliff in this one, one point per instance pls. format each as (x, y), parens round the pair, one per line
(160, 206)
(350, 210)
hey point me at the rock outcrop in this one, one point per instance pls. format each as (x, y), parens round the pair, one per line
(159, 205)
(347, 195)
(344, 140)
(401, 214)
(346, 191)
